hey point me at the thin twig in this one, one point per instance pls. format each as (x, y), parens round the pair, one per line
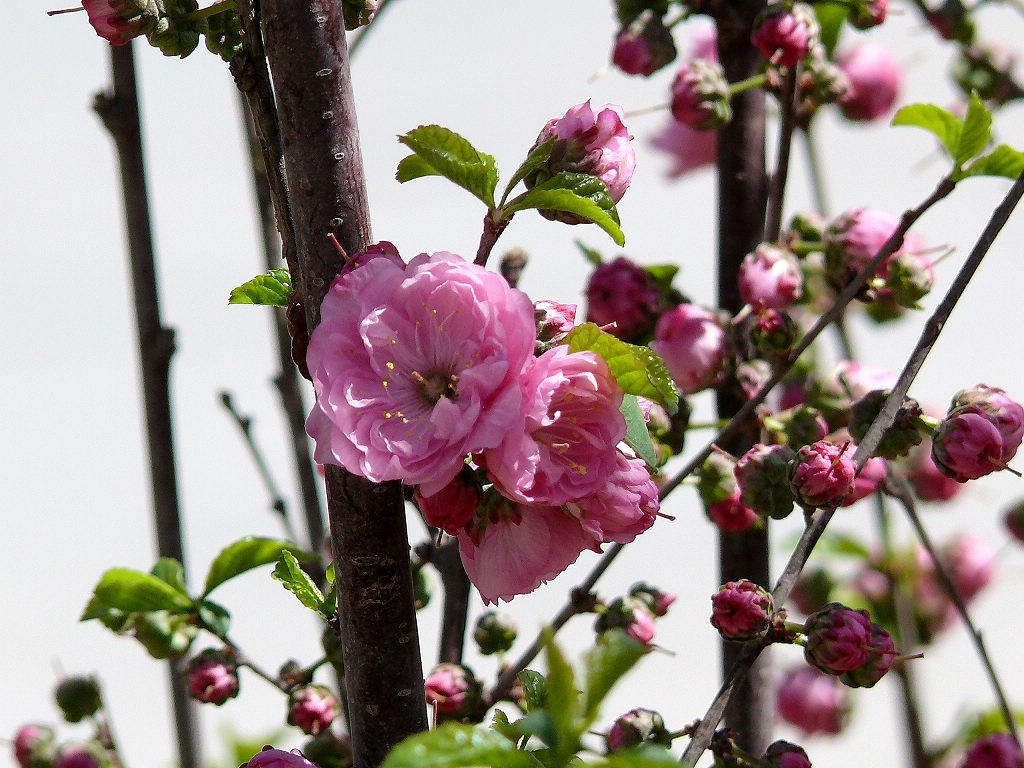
(777, 187)
(819, 192)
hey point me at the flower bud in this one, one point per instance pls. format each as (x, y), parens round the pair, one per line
(174, 34)
(118, 21)
(453, 689)
(784, 34)
(996, 750)
(812, 701)
(774, 334)
(312, 708)
(700, 96)
(213, 676)
(694, 346)
(636, 727)
(952, 20)
(34, 746)
(971, 564)
(85, 755)
(851, 242)
(874, 79)
(731, 515)
(909, 277)
(864, 14)
(626, 294)
(278, 758)
(763, 475)
(495, 633)
(358, 13)
(422, 586)
(870, 479)
(657, 602)
(644, 46)
(881, 655)
(838, 638)
(554, 321)
(782, 754)
(1006, 415)
(78, 697)
(821, 81)
(797, 426)
(629, 614)
(966, 445)
(770, 278)
(900, 437)
(927, 480)
(741, 610)
(822, 474)
(451, 508)
(715, 479)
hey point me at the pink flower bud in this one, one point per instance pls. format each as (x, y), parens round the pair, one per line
(774, 334)
(118, 21)
(996, 750)
(966, 445)
(730, 514)
(700, 96)
(927, 480)
(865, 14)
(785, 35)
(451, 508)
(213, 676)
(812, 701)
(554, 320)
(868, 481)
(881, 655)
(312, 708)
(770, 278)
(741, 610)
(629, 614)
(763, 476)
(626, 294)
(838, 638)
(641, 628)
(278, 758)
(971, 563)
(453, 689)
(644, 45)
(86, 755)
(822, 474)
(636, 727)
(34, 746)
(852, 240)
(1006, 415)
(875, 78)
(782, 754)
(694, 346)
(657, 602)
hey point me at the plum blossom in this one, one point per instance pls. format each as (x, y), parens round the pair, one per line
(624, 506)
(770, 278)
(624, 293)
(213, 677)
(693, 345)
(741, 610)
(270, 757)
(822, 474)
(118, 21)
(875, 78)
(966, 445)
(417, 366)
(784, 35)
(453, 506)
(452, 688)
(643, 46)
(312, 708)
(838, 638)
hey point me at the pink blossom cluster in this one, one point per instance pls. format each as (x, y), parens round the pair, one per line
(980, 434)
(426, 372)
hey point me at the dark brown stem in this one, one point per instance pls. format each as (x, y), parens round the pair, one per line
(119, 111)
(492, 231)
(777, 189)
(457, 588)
(308, 57)
(742, 194)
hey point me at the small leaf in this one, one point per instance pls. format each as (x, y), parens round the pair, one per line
(537, 157)
(581, 194)
(637, 436)
(500, 724)
(131, 591)
(272, 289)
(945, 125)
(590, 254)
(613, 656)
(215, 617)
(454, 745)
(562, 701)
(535, 689)
(444, 153)
(663, 274)
(975, 133)
(539, 723)
(297, 581)
(638, 370)
(171, 572)
(329, 574)
(1002, 161)
(830, 19)
(246, 554)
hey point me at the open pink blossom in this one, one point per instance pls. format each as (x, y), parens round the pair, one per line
(624, 506)
(520, 547)
(563, 447)
(415, 367)
(875, 78)
(693, 344)
(118, 21)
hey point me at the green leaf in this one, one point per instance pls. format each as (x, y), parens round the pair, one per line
(590, 254)
(537, 157)
(663, 274)
(297, 581)
(539, 723)
(613, 656)
(535, 689)
(131, 591)
(272, 289)
(500, 724)
(443, 152)
(637, 436)
(830, 18)
(562, 701)
(454, 745)
(171, 572)
(1002, 161)
(945, 125)
(638, 370)
(215, 617)
(581, 194)
(246, 554)
(645, 755)
(975, 133)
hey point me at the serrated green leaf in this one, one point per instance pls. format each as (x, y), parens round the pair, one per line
(447, 154)
(511, 731)
(271, 289)
(535, 689)
(297, 581)
(414, 167)
(975, 133)
(537, 157)
(637, 436)
(830, 18)
(563, 701)
(131, 591)
(215, 617)
(638, 370)
(580, 194)
(454, 745)
(663, 274)
(171, 572)
(246, 554)
(945, 125)
(590, 254)
(1003, 161)
(613, 656)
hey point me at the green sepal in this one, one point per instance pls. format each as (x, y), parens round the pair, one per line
(535, 689)
(129, 591)
(246, 554)
(439, 151)
(637, 436)
(454, 745)
(1003, 161)
(298, 582)
(613, 656)
(214, 616)
(580, 194)
(637, 369)
(537, 157)
(272, 289)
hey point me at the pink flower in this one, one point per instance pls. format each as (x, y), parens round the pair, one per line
(554, 320)
(623, 293)
(853, 239)
(312, 708)
(693, 344)
(881, 655)
(416, 367)
(966, 445)
(34, 745)
(782, 754)
(636, 727)
(741, 610)
(971, 563)
(278, 758)
(592, 142)
(822, 474)
(212, 677)
(88, 755)
(871, 476)
(875, 78)
(118, 21)
(564, 445)
(690, 149)
(700, 95)
(452, 688)
(927, 480)
(641, 627)
(1006, 415)
(785, 35)
(643, 46)
(868, 13)
(521, 548)
(730, 515)
(624, 506)
(451, 508)
(770, 278)
(838, 638)
(996, 750)
(812, 701)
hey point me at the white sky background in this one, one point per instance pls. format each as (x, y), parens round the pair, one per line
(72, 458)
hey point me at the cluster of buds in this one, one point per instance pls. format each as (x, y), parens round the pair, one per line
(980, 434)
(700, 96)
(741, 610)
(844, 642)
